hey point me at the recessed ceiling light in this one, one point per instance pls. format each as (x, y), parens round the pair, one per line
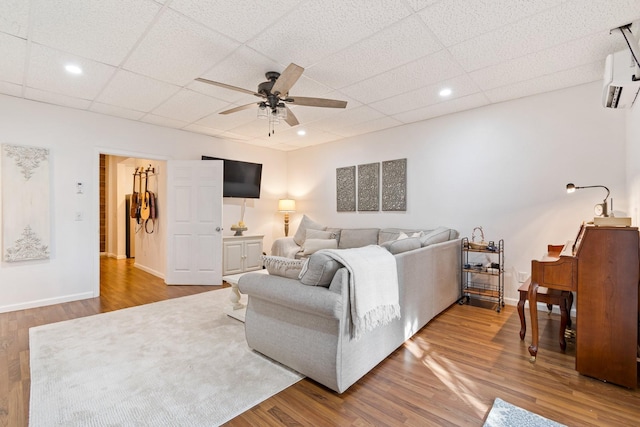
(445, 92)
(302, 132)
(73, 69)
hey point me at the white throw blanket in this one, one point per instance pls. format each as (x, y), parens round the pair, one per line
(373, 286)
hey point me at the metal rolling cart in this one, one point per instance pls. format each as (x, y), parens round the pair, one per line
(482, 274)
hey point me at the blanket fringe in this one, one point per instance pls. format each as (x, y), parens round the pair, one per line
(379, 316)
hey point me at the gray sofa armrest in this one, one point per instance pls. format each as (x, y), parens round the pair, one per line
(285, 247)
(293, 294)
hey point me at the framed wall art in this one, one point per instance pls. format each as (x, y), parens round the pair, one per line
(25, 203)
(394, 185)
(346, 189)
(369, 187)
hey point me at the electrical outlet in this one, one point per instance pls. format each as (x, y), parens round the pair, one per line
(79, 216)
(522, 276)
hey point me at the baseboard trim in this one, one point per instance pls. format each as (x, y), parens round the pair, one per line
(149, 270)
(46, 301)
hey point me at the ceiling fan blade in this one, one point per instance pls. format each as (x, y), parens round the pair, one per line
(240, 108)
(226, 86)
(287, 79)
(291, 119)
(316, 102)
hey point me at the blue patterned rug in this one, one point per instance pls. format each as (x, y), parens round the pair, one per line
(504, 414)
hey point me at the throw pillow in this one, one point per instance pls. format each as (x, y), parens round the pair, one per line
(306, 223)
(313, 245)
(402, 245)
(318, 234)
(439, 235)
(319, 270)
(281, 266)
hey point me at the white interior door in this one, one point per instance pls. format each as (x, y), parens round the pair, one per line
(194, 218)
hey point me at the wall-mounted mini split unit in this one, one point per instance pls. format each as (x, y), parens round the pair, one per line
(620, 88)
(622, 74)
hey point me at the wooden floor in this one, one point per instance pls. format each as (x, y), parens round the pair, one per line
(448, 374)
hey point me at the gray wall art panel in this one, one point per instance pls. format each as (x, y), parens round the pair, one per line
(394, 185)
(346, 189)
(369, 187)
(25, 203)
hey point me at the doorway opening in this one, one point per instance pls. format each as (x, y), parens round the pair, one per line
(130, 227)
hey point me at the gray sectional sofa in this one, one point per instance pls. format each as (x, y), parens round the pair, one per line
(309, 328)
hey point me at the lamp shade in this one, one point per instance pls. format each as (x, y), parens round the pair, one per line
(286, 205)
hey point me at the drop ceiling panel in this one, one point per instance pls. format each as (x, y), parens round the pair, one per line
(14, 17)
(225, 122)
(428, 95)
(315, 30)
(46, 72)
(402, 42)
(368, 127)
(348, 118)
(562, 24)
(421, 4)
(243, 68)
(10, 89)
(562, 57)
(189, 106)
(422, 72)
(12, 52)
(573, 77)
(460, 104)
(240, 20)
(203, 129)
(136, 92)
(186, 48)
(112, 110)
(164, 121)
(56, 99)
(387, 58)
(455, 21)
(101, 30)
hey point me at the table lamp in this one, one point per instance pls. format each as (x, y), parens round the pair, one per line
(286, 206)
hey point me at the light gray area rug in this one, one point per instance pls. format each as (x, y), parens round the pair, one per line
(504, 414)
(180, 362)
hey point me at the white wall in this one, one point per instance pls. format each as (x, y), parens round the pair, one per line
(75, 139)
(503, 167)
(633, 162)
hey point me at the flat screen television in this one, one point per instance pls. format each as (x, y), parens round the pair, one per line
(240, 179)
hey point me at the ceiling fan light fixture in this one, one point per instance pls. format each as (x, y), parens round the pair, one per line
(282, 112)
(263, 113)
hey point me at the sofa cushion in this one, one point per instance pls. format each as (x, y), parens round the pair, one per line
(281, 266)
(439, 235)
(402, 245)
(313, 245)
(306, 223)
(358, 237)
(319, 270)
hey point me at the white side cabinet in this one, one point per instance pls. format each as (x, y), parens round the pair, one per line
(241, 254)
